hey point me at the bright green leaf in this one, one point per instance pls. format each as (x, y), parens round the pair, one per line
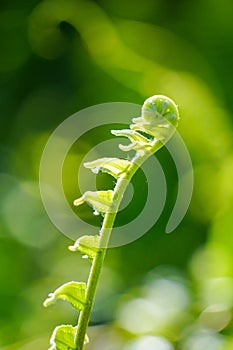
(112, 166)
(63, 338)
(161, 131)
(87, 245)
(101, 201)
(139, 147)
(73, 292)
(132, 135)
(139, 143)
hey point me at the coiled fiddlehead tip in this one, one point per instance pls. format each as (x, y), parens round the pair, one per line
(158, 107)
(159, 117)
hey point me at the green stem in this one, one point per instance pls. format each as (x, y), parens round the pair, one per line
(105, 234)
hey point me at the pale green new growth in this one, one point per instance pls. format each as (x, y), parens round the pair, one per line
(63, 338)
(112, 166)
(87, 245)
(73, 292)
(101, 201)
(134, 136)
(159, 117)
(139, 143)
(147, 134)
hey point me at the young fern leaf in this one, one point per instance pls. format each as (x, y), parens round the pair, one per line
(101, 201)
(147, 134)
(73, 292)
(63, 338)
(139, 143)
(132, 135)
(112, 166)
(87, 245)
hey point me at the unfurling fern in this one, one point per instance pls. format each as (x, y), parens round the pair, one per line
(147, 134)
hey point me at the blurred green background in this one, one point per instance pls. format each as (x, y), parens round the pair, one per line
(162, 291)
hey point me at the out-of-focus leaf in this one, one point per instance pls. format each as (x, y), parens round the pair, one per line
(112, 166)
(101, 201)
(87, 245)
(73, 292)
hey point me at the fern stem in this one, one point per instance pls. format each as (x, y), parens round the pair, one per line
(96, 268)
(105, 234)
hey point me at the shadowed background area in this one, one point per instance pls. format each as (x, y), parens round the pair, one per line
(161, 292)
